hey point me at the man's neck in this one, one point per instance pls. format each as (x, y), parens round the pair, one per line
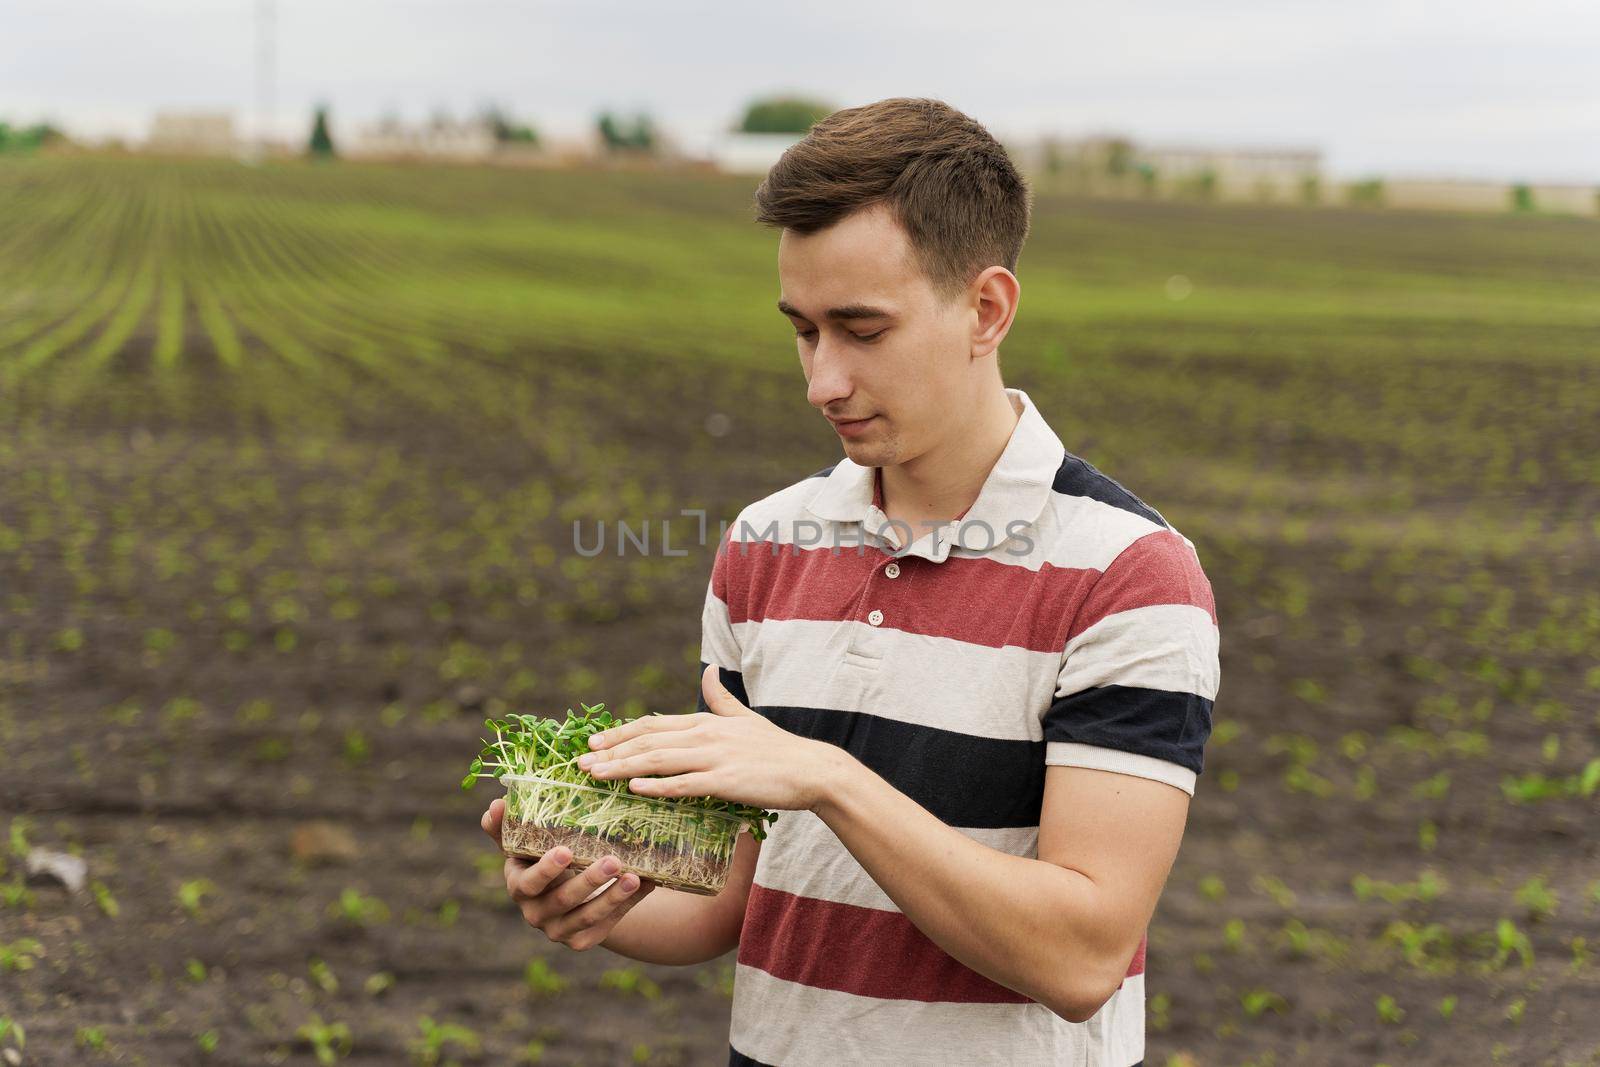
(942, 483)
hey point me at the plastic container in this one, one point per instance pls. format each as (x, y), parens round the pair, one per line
(680, 847)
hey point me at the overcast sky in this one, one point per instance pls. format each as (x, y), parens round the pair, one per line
(1400, 87)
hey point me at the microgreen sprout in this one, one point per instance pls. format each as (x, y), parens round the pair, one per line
(536, 746)
(685, 842)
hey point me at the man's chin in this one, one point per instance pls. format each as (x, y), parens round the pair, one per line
(868, 453)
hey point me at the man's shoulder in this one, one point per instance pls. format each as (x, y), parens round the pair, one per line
(1093, 508)
(785, 505)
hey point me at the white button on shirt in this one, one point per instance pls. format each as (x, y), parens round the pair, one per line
(875, 617)
(892, 571)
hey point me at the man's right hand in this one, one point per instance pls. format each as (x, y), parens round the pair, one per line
(555, 901)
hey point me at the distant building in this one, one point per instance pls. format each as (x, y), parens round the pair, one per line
(1241, 170)
(749, 153)
(439, 138)
(192, 133)
(1466, 195)
(1109, 164)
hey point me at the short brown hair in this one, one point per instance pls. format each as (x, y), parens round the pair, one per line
(949, 182)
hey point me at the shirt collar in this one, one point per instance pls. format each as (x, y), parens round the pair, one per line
(1017, 489)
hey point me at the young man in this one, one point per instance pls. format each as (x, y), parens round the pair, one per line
(974, 673)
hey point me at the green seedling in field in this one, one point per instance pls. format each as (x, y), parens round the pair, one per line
(329, 1041)
(630, 981)
(12, 1034)
(1426, 888)
(543, 981)
(428, 1049)
(1257, 1001)
(1508, 939)
(104, 900)
(1540, 900)
(192, 894)
(322, 975)
(359, 910)
(20, 955)
(90, 1037)
(1304, 941)
(1533, 787)
(16, 894)
(19, 836)
(1426, 947)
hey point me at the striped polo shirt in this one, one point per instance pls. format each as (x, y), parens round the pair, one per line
(1060, 621)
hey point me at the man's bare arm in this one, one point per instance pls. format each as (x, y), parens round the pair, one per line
(679, 928)
(1062, 928)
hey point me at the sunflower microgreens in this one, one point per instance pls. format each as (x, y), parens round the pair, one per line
(548, 748)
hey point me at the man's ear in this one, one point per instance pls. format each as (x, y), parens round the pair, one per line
(994, 294)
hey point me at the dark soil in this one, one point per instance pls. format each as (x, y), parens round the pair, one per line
(310, 625)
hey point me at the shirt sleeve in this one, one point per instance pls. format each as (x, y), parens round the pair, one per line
(1141, 669)
(718, 642)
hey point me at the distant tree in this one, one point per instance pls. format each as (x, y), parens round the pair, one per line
(1310, 189)
(1522, 197)
(784, 114)
(638, 136)
(1202, 184)
(507, 131)
(1054, 159)
(1119, 156)
(1147, 179)
(321, 146)
(27, 138)
(1368, 192)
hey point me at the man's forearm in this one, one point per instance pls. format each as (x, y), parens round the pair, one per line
(1025, 923)
(669, 927)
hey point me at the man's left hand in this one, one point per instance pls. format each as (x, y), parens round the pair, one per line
(730, 753)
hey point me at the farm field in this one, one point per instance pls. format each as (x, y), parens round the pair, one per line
(290, 459)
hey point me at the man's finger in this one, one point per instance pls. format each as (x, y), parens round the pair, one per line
(642, 725)
(679, 760)
(718, 699)
(603, 911)
(492, 817)
(535, 879)
(584, 883)
(645, 743)
(699, 784)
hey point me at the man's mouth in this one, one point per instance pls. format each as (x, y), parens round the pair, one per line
(851, 427)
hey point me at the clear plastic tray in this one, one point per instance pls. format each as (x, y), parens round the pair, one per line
(678, 846)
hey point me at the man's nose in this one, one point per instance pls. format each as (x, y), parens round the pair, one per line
(830, 376)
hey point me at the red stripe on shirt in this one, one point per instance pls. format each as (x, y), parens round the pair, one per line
(978, 601)
(1158, 568)
(865, 951)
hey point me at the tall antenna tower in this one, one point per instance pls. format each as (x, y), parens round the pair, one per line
(266, 74)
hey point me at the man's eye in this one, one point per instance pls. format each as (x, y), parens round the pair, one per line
(865, 338)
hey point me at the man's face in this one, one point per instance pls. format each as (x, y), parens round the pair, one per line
(895, 356)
